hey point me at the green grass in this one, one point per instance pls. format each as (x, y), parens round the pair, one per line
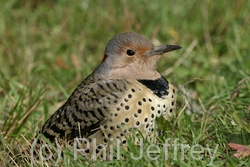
(48, 47)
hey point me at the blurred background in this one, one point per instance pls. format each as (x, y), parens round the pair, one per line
(48, 47)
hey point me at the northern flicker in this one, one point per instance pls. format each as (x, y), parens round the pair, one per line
(124, 93)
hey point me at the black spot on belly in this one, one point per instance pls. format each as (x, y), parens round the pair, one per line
(160, 86)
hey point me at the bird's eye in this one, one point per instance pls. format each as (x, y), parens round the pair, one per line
(130, 52)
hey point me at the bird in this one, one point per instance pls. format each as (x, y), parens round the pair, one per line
(123, 94)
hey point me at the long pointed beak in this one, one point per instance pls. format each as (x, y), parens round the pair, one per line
(159, 50)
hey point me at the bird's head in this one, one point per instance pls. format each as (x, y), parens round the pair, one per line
(130, 55)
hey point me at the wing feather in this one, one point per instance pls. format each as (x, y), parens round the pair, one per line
(87, 108)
